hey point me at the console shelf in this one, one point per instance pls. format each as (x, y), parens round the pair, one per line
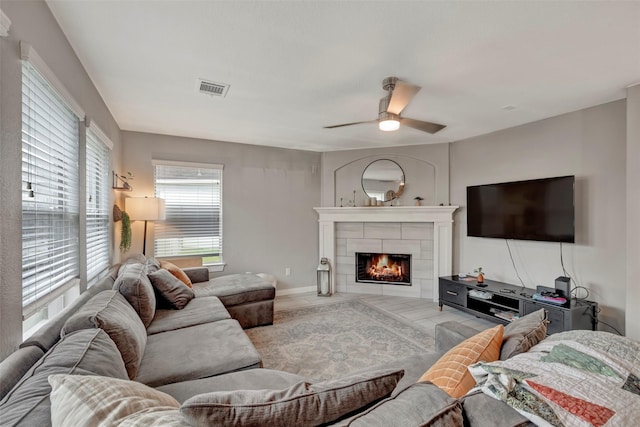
(510, 301)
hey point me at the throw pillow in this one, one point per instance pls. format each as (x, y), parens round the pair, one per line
(522, 334)
(176, 271)
(133, 284)
(171, 289)
(302, 404)
(83, 400)
(450, 372)
(110, 312)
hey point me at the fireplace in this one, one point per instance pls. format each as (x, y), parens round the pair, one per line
(387, 269)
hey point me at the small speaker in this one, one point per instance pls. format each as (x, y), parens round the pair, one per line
(563, 286)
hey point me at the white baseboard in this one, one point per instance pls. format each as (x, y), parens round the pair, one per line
(292, 291)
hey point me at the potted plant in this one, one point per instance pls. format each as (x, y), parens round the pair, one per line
(125, 180)
(418, 200)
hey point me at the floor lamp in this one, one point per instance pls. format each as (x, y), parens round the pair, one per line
(145, 209)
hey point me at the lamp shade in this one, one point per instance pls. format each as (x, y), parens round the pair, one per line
(145, 208)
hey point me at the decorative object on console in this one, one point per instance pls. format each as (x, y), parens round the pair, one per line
(324, 278)
(145, 209)
(480, 275)
(418, 200)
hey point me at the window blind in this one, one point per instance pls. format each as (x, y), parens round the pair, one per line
(50, 208)
(193, 206)
(97, 202)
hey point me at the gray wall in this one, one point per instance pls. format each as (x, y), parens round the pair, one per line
(590, 144)
(633, 208)
(31, 22)
(426, 169)
(268, 197)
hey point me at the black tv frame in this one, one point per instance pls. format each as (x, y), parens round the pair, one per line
(507, 192)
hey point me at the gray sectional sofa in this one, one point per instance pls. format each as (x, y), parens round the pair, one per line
(202, 348)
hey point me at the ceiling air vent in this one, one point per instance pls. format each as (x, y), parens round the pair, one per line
(212, 88)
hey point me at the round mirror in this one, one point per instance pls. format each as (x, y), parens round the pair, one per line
(383, 179)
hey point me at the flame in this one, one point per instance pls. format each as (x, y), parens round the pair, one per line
(384, 269)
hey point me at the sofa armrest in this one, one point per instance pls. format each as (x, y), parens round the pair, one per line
(197, 274)
(449, 334)
(16, 365)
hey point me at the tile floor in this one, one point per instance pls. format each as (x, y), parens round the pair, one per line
(421, 312)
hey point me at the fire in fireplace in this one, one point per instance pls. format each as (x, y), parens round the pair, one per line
(390, 269)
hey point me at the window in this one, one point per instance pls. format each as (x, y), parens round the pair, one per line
(97, 199)
(50, 188)
(193, 205)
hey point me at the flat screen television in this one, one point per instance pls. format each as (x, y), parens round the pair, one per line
(538, 209)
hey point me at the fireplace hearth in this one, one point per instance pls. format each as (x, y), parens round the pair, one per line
(387, 269)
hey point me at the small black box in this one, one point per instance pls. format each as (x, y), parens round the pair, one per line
(563, 286)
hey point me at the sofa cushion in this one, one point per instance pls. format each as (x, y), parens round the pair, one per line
(421, 404)
(198, 311)
(522, 334)
(197, 352)
(451, 372)
(14, 366)
(177, 272)
(84, 400)
(251, 379)
(85, 352)
(134, 285)
(111, 312)
(481, 410)
(171, 289)
(236, 289)
(302, 404)
(49, 333)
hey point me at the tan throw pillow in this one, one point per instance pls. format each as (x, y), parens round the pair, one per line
(450, 372)
(171, 289)
(84, 400)
(134, 285)
(522, 334)
(302, 404)
(176, 271)
(110, 312)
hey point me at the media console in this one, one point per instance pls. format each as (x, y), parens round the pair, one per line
(501, 302)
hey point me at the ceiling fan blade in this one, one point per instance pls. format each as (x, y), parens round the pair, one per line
(349, 124)
(420, 125)
(401, 96)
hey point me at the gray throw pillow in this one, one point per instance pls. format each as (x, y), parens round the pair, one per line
(112, 313)
(171, 288)
(134, 285)
(302, 404)
(523, 333)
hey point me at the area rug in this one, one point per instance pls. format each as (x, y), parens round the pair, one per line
(329, 341)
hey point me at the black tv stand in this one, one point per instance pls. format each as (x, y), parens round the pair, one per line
(502, 302)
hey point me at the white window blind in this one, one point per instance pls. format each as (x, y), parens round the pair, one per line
(97, 202)
(50, 209)
(193, 203)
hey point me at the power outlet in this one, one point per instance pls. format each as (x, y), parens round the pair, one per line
(287, 271)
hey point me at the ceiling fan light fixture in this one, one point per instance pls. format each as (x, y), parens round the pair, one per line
(389, 125)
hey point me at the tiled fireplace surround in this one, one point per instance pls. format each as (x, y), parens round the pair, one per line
(423, 232)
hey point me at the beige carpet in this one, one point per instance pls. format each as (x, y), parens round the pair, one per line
(329, 341)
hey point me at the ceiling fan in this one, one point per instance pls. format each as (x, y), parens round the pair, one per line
(399, 96)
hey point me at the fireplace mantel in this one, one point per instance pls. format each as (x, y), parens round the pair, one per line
(388, 214)
(440, 216)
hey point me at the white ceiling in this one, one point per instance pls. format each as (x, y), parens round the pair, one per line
(295, 67)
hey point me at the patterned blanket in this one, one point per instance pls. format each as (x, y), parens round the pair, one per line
(575, 378)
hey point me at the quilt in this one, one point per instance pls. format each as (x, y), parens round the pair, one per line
(574, 378)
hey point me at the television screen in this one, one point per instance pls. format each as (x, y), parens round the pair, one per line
(539, 209)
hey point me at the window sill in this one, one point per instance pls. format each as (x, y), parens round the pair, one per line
(215, 268)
